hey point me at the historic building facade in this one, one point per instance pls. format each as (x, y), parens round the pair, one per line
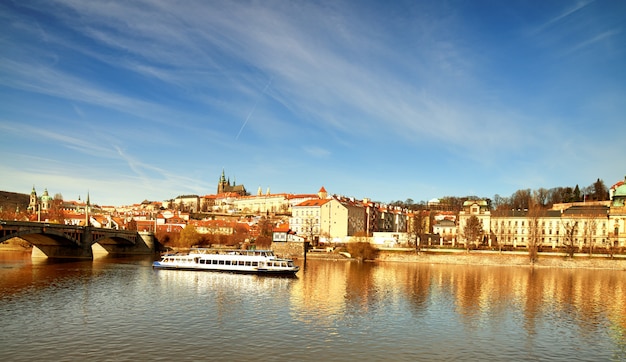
(224, 186)
(42, 203)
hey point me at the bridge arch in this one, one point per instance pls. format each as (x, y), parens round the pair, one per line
(69, 241)
(44, 236)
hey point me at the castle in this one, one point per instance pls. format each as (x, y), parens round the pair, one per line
(224, 186)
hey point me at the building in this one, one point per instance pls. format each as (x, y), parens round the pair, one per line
(478, 208)
(446, 229)
(617, 214)
(187, 203)
(334, 219)
(224, 186)
(42, 203)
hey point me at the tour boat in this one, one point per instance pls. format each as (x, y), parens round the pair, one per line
(236, 261)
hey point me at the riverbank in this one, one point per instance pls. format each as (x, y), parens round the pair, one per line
(486, 258)
(455, 257)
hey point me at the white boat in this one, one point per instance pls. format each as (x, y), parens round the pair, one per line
(236, 261)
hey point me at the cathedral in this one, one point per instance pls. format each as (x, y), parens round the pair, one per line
(224, 186)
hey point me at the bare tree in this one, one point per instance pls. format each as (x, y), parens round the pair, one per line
(570, 230)
(590, 229)
(540, 197)
(418, 228)
(360, 248)
(521, 199)
(500, 203)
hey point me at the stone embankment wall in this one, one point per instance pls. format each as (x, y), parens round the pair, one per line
(288, 249)
(460, 257)
(480, 258)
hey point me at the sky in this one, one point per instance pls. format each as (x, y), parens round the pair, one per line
(386, 100)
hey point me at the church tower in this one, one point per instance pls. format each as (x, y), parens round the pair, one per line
(46, 200)
(32, 204)
(222, 184)
(322, 194)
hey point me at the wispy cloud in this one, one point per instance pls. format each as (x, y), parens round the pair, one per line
(567, 12)
(593, 41)
(321, 75)
(55, 139)
(160, 91)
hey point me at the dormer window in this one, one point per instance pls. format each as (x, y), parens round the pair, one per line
(475, 209)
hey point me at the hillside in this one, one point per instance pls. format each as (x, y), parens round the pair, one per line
(12, 200)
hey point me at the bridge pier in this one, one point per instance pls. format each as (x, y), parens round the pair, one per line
(61, 252)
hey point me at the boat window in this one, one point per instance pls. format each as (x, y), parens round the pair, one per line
(248, 263)
(255, 263)
(221, 262)
(241, 262)
(227, 262)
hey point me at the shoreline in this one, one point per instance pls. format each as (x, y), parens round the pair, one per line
(481, 258)
(457, 257)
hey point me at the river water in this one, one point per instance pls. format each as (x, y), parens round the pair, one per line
(123, 310)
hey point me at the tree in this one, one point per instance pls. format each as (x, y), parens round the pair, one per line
(56, 213)
(570, 231)
(600, 191)
(473, 231)
(239, 235)
(540, 197)
(590, 229)
(500, 203)
(418, 228)
(189, 236)
(521, 199)
(361, 249)
(576, 195)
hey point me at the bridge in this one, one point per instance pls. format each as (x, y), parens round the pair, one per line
(76, 242)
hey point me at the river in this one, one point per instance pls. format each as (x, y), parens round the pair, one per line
(122, 310)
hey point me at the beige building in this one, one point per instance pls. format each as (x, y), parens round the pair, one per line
(478, 208)
(328, 220)
(582, 225)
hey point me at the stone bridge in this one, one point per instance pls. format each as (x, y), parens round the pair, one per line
(67, 241)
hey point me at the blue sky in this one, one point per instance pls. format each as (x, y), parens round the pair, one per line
(134, 100)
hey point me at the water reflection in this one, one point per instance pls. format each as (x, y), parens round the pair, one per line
(490, 303)
(338, 310)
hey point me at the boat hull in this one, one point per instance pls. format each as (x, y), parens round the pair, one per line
(258, 271)
(262, 262)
